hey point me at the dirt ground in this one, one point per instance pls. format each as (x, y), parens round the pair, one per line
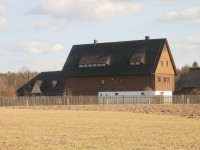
(189, 110)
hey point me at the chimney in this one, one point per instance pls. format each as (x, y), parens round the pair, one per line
(95, 42)
(146, 37)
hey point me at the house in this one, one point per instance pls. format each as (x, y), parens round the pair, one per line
(45, 83)
(120, 68)
(191, 85)
(140, 67)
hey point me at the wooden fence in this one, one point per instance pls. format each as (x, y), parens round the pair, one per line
(94, 100)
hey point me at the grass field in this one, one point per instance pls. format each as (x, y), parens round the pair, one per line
(26, 129)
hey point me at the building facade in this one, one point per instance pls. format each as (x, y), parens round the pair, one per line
(141, 67)
(121, 68)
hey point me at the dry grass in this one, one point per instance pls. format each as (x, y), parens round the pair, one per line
(28, 129)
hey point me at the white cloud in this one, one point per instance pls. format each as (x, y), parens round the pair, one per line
(3, 21)
(47, 26)
(186, 50)
(2, 9)
(35, 47)
(4, 24)
(193, 40)
(188, 45)
(192, 13)
(1, 50)
(6, 1)
(87, 9)
(38, 64)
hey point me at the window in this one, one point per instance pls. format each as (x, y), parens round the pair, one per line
(54, 83)
(167, 64)
(137, 63)
(166, 79)
(102, 81)
(161, 63)
(121, 81)
(159, 79)
(91, 65)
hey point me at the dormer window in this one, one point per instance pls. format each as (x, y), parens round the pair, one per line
(94, 61)
(54, 83)
(138, 57)
(80, 66)
(135, 63)
(92, 65)
(36, 88)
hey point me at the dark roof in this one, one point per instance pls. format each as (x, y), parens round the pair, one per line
(120, 53)
(46, 86)
(193, 78)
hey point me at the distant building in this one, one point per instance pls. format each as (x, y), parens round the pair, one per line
(116, 68)
(46, 83)
(191, 85)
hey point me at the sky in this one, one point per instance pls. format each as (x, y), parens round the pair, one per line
(39, 34)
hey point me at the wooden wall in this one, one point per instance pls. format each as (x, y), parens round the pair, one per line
(165, 70)
(92, 85)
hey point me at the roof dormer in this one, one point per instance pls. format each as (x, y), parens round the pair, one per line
(94, 61)
(139, 57)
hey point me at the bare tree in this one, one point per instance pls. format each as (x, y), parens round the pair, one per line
(10, 81)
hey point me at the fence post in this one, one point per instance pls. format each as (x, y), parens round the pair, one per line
(188, 100)
(27, 102)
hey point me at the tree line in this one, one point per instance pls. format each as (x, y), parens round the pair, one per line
(182, 74)
(10, 81)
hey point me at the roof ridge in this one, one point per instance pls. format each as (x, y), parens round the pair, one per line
(119, 42)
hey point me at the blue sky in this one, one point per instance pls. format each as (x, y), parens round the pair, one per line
(39, 34)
